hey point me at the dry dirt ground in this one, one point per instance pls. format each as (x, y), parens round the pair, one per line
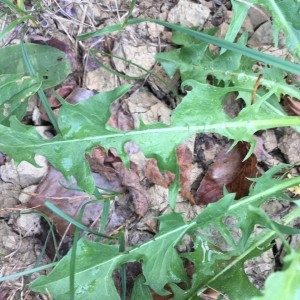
(21, 236)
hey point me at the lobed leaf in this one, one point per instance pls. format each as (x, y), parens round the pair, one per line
(240, 11)
(228, 67)
(82, 127)
(95, 263)
(239, 49)
(285, 17)
(162, 264)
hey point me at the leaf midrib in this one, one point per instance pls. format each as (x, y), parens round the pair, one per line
(252, 125)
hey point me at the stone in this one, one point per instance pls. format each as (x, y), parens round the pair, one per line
(189, 14)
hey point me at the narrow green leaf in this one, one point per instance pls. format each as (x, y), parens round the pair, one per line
(240, 11)
(64, 216)
(31, 71)
(12, 25)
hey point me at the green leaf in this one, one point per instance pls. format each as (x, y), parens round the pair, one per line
(14, 91)
(222, 271)
(213, 211)
(229, 67)
(285, 15)
(266, 58)
(50, 64)
(284, 284)
(82, 127)
(95, 263)
(140, 290)
(161, 263)
(240, 11)
(195, 61)
(93, 273)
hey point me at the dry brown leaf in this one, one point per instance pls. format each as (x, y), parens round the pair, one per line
(111, 167)
(154, 175)
(185, 160)
(64, 91)
(69, 200)
(101, 163)
(211, 294)
(131, 181)
(228, 170)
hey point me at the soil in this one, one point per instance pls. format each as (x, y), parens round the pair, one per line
(22, 235)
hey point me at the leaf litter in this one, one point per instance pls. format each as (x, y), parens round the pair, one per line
(115, 173)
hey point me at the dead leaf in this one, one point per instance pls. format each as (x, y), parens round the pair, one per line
(228, 170)
(211, 294)
(66, 196)
(64, 91)
(111, 167)
(154, 175)
(70, 93)
(131, 181)
(101, 163)
(185, 160)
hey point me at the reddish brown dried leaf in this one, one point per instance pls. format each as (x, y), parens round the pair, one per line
(111, 167)
(64, 91)
(228, 170)
(52, 189)
(154, 175)
(101, 163)
(131, 181)
(185, 160)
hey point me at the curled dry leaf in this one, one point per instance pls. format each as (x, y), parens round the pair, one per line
(154, 175)
(185, 160)
(111, 167)
(228, 170)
